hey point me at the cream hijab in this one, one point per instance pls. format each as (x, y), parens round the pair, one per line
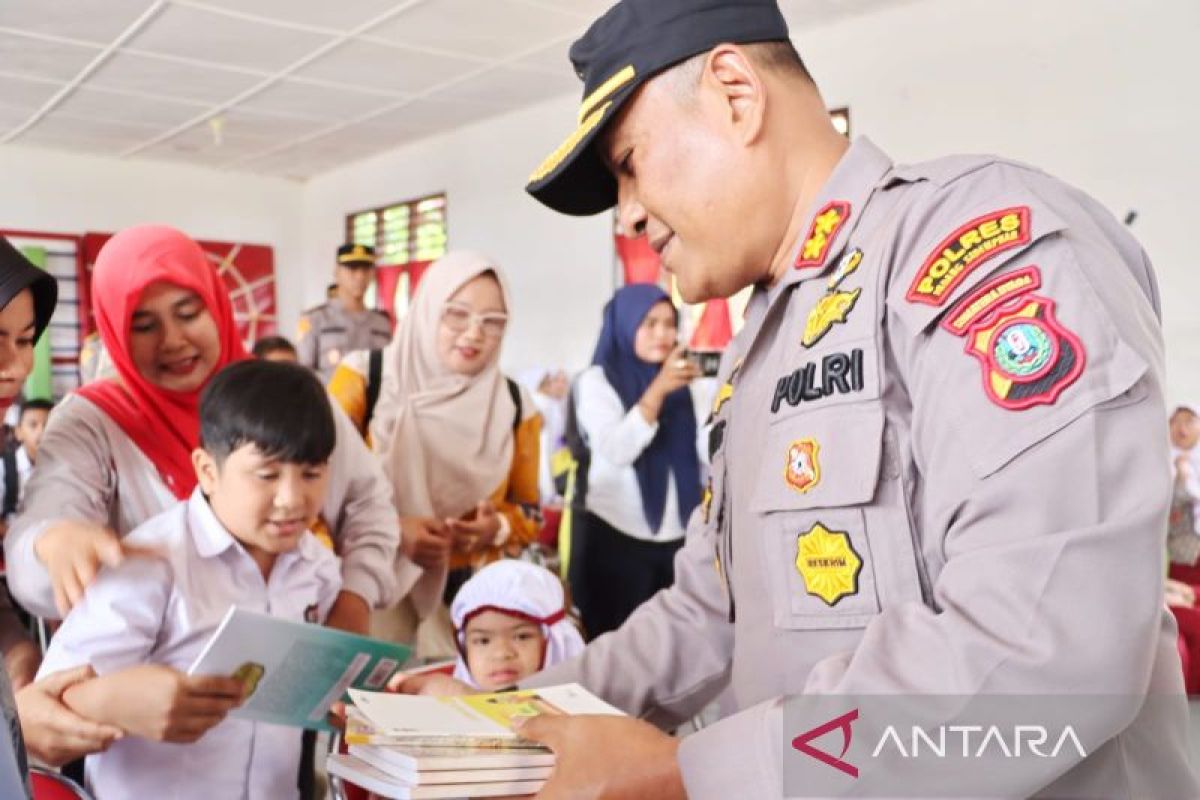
(445, 439)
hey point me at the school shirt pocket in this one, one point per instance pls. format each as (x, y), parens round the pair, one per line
(820, 469)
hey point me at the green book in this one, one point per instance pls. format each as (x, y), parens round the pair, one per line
(294, 671)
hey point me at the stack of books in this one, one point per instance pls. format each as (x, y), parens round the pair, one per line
(410, 748)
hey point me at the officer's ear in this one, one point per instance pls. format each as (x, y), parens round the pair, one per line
(731, 75)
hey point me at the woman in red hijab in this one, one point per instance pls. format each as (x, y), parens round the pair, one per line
(118, 451)
(168, 326)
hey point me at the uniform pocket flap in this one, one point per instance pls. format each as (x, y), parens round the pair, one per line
(821, 459)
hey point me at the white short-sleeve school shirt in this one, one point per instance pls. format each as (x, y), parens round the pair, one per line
(162, 611)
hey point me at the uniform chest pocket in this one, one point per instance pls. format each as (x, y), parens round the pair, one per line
(821, 467)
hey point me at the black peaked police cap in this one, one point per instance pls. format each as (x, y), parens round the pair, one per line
(356, 255)
(631, 43)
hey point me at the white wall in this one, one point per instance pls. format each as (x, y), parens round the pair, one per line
(1099, 92)
(560, 269)
(66, 193)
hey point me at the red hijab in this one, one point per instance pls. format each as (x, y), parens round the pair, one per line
(164, 424)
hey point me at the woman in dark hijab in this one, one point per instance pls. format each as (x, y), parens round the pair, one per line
(52, 732)
(634, 413)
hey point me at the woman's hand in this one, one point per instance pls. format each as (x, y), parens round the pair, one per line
(73, 553)
(53, 733)
(426, 541)
(478, 530)
(676, 372)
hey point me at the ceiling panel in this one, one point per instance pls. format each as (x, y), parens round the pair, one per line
(388, 68)
(365, 138)
(194, 33)
(12, 117)
(314, 102)
(18, 92)
(321, 13)
(554, 59)
(86, 134)
(426, 116)
(587, 10)
(20, 55)
(508, 89)
(494, 28)
(139, 73)
(99, 104)
(198, 144)
(98, 21)
(274, 128)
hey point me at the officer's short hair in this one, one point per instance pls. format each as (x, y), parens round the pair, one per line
(280, 408)
(272, 344)
(780, 57)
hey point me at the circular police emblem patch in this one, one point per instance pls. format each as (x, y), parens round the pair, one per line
(1024, 349)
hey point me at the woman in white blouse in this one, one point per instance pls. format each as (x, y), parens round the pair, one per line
(634, 414)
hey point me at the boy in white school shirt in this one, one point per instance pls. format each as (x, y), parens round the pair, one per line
(266, 433)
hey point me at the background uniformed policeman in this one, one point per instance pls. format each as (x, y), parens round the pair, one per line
(342, 324)
(938, 465)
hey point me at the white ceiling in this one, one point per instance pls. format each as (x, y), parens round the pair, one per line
(295, 87)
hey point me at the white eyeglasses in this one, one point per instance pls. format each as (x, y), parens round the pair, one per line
(459, 319)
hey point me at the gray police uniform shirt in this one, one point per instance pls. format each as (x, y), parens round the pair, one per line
(88, 469)
(328, 332)
(939, 468)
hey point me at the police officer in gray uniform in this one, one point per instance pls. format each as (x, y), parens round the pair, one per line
(938, 460)
(342, 324)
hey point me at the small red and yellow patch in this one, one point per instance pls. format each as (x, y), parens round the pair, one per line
(825, 226)
(802, 470)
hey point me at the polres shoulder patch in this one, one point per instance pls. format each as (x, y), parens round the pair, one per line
(996, 292)
(964, 250)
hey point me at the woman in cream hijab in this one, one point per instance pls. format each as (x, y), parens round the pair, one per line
(458, 440)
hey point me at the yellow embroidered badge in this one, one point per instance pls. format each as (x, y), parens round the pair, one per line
(828, 563)
(832, 308)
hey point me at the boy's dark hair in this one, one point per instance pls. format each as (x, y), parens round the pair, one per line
(280, 408)
(34, 404)
(270, 344)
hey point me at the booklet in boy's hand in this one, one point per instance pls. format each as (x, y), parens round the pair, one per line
(294, 671)
(478, 720)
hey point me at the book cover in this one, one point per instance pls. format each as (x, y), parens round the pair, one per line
(479, 720)
(294, 671)
(358, 772)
